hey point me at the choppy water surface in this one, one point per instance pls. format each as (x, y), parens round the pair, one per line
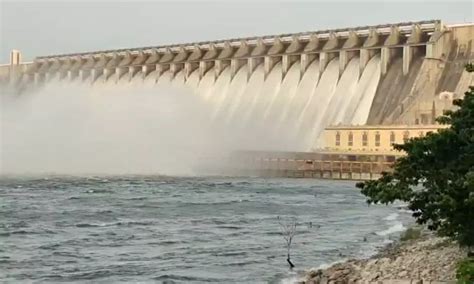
(181, 230)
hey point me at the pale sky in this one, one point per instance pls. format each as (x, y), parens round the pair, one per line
(43, 28)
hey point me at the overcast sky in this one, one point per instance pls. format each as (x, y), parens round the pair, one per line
(42, 28)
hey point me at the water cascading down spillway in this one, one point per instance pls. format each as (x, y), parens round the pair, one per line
(279, 90)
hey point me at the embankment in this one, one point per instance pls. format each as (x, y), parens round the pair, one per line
(426, 259)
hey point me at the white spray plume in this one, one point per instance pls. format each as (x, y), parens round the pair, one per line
(67, 128)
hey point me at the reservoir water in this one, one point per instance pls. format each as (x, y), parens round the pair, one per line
(163, 229)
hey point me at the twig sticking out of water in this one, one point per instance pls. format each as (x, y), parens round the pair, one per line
(288, 231)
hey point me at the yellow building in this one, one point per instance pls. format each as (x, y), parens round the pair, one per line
(372, 138)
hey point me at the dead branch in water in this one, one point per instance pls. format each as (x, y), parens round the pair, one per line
(288, 231)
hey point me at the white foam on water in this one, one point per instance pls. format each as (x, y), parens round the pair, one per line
(392, 217)
(395, 228)
(291, 279)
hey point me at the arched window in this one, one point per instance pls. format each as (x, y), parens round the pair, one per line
(350, 140)
(406, 136)
(392, 138)
(338, 139)
(365, 139)
(377, 139)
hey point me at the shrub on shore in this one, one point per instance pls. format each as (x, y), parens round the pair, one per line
(465, 271)
(436, 177)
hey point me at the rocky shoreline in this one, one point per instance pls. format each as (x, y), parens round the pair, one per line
(424, 259)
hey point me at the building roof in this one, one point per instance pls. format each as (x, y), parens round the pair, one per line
(386, 127)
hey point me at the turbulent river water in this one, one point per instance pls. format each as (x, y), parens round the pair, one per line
(181, 230)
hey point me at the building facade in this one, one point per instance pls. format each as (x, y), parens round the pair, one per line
(372, 138)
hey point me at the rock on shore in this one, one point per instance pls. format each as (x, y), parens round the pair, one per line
(428, 258)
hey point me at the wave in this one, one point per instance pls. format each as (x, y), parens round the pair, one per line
(138, 198)
(242, 263)
(391, 217)
(173, 277)
(229, 227)
(405, 211)
(87, 225)
(215, 203)
(25, 232)
(98, 191)
(398, 227)
(120, 223)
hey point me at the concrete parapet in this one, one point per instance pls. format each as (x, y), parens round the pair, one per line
(295, 46)
(352, 41)
(126, 60)
(332, 43)
(394, 36)
(277, 48)
(153, 58)
(312, 45)
(373, 39)
(227, 52)
(260, 49)
(196, 54)
(101, 62)
(386, 53)
(388, 40)
(408, 51)
(167, 57)
(243, 51)
(212, 53)
(181, 56)
(109, 68)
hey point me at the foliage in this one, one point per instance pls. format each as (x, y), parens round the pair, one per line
(465, 271)
(436, 177)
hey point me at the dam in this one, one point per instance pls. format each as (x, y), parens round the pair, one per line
(283, 90)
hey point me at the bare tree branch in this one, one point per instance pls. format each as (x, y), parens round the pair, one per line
(288, 230)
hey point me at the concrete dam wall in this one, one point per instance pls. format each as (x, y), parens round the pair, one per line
(291, 85)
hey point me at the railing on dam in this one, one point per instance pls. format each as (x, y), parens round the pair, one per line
(388, 41)
(325, 165)
(351, 170)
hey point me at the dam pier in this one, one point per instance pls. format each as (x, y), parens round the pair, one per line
(321, 104)
(405, 40)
